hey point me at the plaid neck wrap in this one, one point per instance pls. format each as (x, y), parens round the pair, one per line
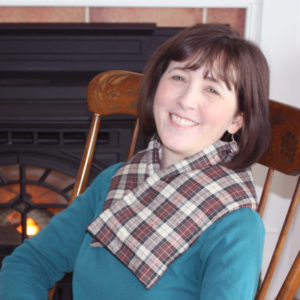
(153, 215)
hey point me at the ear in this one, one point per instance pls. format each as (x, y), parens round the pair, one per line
(236, 124)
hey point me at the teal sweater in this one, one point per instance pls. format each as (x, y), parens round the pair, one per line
(224, 262)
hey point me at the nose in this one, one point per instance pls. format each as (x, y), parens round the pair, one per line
(189, 98)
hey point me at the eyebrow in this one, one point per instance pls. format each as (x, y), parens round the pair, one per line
(213, 79)
(219, 82)
(180, 68)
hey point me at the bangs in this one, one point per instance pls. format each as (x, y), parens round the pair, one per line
(218, 61)
(217, 66)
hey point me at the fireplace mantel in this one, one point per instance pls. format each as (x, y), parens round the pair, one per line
(253, 8)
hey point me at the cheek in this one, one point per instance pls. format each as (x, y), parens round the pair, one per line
(160, 106)
(161, 96)
(211, 114)
(221, 116)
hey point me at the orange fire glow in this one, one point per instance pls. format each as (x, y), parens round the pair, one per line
(32, 227)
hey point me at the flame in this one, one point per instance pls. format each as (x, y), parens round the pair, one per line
(32, 227)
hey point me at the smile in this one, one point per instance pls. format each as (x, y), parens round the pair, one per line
(182, 121)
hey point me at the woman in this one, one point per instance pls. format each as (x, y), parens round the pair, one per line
(178, 220)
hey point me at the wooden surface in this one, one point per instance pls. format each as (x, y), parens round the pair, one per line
(292, 281)
(284, 152)
(114, 92)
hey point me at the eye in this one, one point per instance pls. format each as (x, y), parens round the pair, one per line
(179, 78)
(213, 91)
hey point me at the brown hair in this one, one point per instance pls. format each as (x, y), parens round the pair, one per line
(239, 63)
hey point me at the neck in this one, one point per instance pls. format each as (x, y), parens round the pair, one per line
(168, 158)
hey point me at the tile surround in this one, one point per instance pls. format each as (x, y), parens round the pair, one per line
(42, 14)
(236, 17)
(171, 17)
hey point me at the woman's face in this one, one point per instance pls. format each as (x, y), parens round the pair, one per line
(192, 112)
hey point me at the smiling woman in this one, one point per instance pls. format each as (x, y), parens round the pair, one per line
(214, 63)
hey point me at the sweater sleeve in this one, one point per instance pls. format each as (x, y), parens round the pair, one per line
(233, 256)
(38, 263)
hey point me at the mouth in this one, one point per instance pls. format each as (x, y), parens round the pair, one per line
(182, 121)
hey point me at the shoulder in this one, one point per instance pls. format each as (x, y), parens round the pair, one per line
(239, 234)
(93, 198)
(244, 222)
(243, 218)
(108, 173)
(102, 181)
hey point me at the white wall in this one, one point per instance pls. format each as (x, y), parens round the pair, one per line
(280, 40)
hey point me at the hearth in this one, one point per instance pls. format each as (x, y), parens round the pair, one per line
(44, 120)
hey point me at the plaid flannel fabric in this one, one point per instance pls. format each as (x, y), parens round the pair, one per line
(152, 215)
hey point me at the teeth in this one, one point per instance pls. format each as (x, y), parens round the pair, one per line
(181, 121)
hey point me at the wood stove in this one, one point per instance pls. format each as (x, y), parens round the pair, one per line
(44, 120)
